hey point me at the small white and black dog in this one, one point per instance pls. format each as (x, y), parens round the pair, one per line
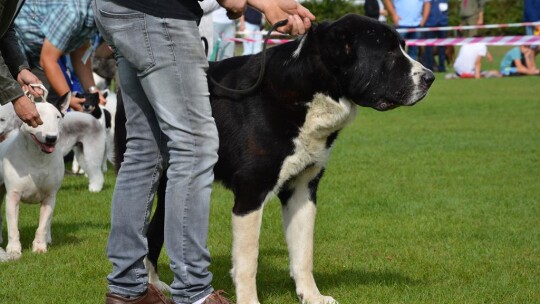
(103, 115)
(31, 171)
(277, 139)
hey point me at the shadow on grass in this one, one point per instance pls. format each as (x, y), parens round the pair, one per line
(63, 234)
(274, 279)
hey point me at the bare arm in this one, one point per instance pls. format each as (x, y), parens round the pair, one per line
(392, 11)
(425, 14)
(49, 62)
(477, 67)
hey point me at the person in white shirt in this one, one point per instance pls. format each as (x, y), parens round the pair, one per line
(468, 63)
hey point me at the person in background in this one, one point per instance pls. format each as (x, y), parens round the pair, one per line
(438, 16)
(15, 75)
(472, 13)
(531, 13)
(206, 26)
(170, 130)
(468, 63)
(224, 29)
(382, 11)
(409, 14)
(520, 60)
(372, 9)
(48, 30)
(251, 22)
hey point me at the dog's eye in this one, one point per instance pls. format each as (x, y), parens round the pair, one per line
(2, 120)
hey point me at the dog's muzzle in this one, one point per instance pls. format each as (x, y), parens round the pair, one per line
(48, 146)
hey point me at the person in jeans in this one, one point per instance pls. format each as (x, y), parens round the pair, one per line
(408, 14)
(162, 69)
(438, 16)
(472, 13)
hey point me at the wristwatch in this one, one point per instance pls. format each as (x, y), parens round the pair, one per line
(93, 89)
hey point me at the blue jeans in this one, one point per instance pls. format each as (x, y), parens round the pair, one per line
(162, 70)
(411, 50)
(429, 61)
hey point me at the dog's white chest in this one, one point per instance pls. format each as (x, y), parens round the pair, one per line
(324, 117)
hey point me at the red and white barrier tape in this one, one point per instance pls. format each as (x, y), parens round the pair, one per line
(466, 27)
(500, 40)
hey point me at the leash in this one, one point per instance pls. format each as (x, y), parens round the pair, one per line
(37, 85)
(263, 65)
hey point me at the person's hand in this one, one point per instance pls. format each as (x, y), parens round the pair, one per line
(395, 19)
(27, 112)
(75, 103)
(102, 99)
(25, 78)
(299, 18)
(235, 8)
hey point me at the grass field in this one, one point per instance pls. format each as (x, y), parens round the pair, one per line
(437, 203)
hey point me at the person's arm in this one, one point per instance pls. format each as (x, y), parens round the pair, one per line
(425, 12)
(299, 18)
(478, 67)
(392, 11)
(49, 62)
(83, 70)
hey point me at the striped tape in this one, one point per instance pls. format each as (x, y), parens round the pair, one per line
(499, 40)
(466, 27)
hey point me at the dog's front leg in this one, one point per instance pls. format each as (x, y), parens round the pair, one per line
(299, 211)
(13, 248)
(245, 251)
(43, 232)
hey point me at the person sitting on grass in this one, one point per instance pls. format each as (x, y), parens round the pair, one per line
(520, 60)
(468, 63)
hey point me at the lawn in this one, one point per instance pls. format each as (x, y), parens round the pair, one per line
(436, 203)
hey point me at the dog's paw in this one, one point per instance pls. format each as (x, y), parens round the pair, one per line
(95, 188)
(13, 251)
(39, 246)
(320, 299)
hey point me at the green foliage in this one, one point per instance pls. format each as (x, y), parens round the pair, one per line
(496, 12)
(332, 9)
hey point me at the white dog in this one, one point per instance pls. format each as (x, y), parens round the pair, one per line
(87, 137)
(31, 171)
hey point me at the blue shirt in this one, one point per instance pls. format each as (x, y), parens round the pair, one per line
(509, 57)
(409, 12)
(438, 14)
(531, 11)
(67, 24)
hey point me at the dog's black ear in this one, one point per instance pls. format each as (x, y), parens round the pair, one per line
(62, 103)
(337, 45)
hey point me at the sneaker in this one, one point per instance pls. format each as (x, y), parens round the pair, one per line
(217, 298)
(152, 296)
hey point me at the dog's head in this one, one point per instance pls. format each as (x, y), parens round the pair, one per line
(368, 60)
(90, 104)
(45, 136)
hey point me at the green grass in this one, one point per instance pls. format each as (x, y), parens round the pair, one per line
(437, 203)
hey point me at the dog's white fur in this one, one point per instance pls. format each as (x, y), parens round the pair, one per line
(325, 116)
(29, 175)
(87, 137)
(76, 166)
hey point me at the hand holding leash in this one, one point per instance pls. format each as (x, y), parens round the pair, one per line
(26, 109)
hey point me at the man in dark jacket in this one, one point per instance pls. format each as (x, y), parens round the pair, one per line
(15, 75)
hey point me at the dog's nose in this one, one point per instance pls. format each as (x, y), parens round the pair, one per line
(428, 78)
(51, 139)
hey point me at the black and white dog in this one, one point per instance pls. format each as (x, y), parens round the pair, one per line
(277, 139)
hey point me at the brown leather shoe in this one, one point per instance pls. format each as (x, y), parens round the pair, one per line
(152, 296)
(216, 297)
